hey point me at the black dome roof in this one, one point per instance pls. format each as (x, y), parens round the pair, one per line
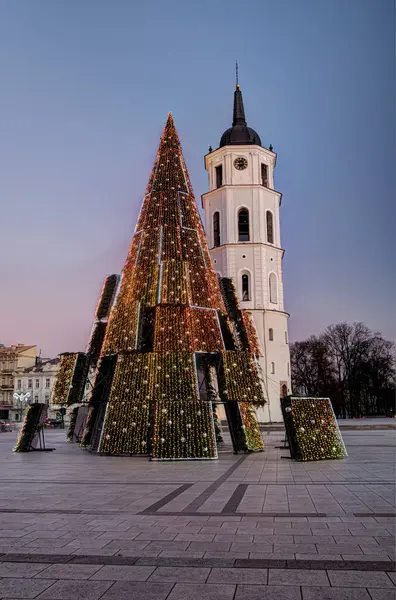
(239, 134)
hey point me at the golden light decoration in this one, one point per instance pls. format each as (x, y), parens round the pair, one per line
(72, 423)
(130, 262)
(251, 426)
(106, 297)
(127, 420)
(149, 249)
(64, 378)
(96, 341)
(152, 395)
(312, 429)
(186, 328)
(174, 283)
(88, 425)
(253, 343)
(70, 378)
(241, 378)
(33, 421)
(185, 430)
(122, 328)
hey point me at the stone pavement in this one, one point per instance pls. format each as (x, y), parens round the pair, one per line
(258, 526)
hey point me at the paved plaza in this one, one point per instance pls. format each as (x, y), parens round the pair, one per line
(247, 527)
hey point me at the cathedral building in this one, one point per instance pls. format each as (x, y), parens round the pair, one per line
(243, 232)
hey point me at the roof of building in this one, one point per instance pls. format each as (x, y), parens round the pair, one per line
(18, 348)
(239, 134)
(42, 366)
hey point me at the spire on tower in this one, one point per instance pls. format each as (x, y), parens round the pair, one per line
(239, 133)
(239, 111)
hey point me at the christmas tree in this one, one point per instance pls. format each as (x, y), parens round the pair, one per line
(176, 340)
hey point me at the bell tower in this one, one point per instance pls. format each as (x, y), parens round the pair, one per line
(243, 233)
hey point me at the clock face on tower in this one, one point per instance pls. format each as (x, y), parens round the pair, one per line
(240, 163)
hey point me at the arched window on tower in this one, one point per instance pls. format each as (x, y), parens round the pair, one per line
(284, 390)
(271, 334)
(216, 229)
(264, 175)
(219, 175)
(270, 227)
(273, 288)
(243, 225)
(245, 287)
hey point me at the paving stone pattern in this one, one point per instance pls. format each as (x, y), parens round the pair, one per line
(76, 525)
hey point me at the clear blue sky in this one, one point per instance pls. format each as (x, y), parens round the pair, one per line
(85, 90)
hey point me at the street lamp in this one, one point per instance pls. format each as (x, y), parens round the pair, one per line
(22, 398)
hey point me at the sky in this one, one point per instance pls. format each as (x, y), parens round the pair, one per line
(86, 86)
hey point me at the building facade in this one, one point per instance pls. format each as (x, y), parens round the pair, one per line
(13, 360)
(35, 384)
(243, 231)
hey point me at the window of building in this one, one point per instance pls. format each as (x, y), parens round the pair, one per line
(245, 287)
(271, 334)
(288, 368)
(11, 366)
(219, 175)
(284, 390)
(30, 383)
(243, 225)
(37, 383)
(47, 398)
(3, 380)
(273, 288)
(216, 229)
(286, 338)
(270, 227)
(272, 368)
(4, 365)
(47, 383)
(19, 384)
(264, 175)
(36, 398)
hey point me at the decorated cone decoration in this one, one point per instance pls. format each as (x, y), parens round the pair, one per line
(169, 312)
(312, 429)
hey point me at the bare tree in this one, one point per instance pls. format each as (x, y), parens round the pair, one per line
(312, 368)
(348, 345)
(349, 363)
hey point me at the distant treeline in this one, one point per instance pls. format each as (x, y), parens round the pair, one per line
(351, 365)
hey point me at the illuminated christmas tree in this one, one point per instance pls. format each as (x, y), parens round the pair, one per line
(176, 340)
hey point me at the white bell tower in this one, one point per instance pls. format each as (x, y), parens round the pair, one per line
(243, 233)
